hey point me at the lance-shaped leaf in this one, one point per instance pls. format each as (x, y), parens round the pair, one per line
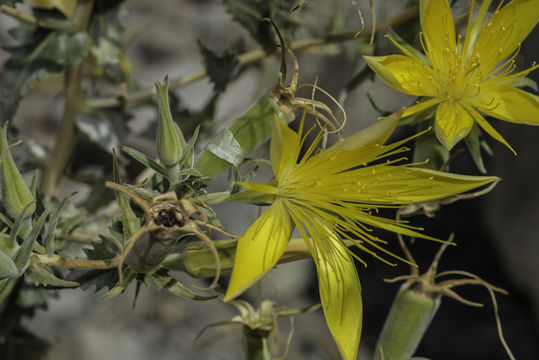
(15, 195)
(21, 259)
(130, 222)
(7, 266)
(50, 233)
(40, 275)
(144, 160)
(161, 280)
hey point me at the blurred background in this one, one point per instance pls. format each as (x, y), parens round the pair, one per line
(497, 235)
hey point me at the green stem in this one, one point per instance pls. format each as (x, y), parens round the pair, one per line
(254, 347)
(408, 319)
(66, 137)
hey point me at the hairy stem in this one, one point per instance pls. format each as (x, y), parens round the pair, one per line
(56, 260)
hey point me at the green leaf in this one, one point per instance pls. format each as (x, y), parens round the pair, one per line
(220, 69)
(107, 33)
(106, 249)
(23, 254)
(161, 280)
(128, 276)
(40, 275)
(418, 54)
(7, 266)
(427, 147)
(144, 160)
(245, 134)
(100, 278)
(130, 222)
(49, 235)
(20, 222)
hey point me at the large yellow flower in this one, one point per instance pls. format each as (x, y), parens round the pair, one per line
(462, 79)
(330, 196)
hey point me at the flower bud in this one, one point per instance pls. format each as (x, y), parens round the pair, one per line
(170, 140)
(15, 194)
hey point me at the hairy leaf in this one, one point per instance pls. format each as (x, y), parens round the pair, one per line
(40, 275)
(161, 280)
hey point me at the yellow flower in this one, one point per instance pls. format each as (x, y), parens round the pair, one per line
(330, 196)
(463, 79)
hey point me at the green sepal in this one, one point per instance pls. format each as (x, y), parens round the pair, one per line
(50, 232)
(161, 280)
(526, 82)
(427, 147)
(130, 222)
(144, 160)
(7, 266)
(15, 194)
(128, 276)
(22, 224)
(418, 54)
(169, 138)
(473, 143)
(245, 134)
(23, 254)
(185, 160)
(40, 275)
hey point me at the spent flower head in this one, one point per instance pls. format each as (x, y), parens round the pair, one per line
(466, 79)
(332, 196)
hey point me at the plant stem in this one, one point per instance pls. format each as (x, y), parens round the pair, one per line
(67, 133)
(254, 347)
(56, 260)
(250, 57)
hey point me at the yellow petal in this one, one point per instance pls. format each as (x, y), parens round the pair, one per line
(420, 106)
(284, 149)
(395, 185)
(374, 135)
(452, 123)
(506, 29)
(510, 104)
(340, 291)
(403, 73)
(480, 120)
(439, 30)
(259, 249)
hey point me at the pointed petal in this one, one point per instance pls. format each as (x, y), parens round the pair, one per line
(396, 185)
(504, 32)
(402, 73)
(480, 120)
(374, 135)
(259, 249)
(510, 104)
(284, 149)
(439, 30)
(340, 291)
(420, 106)
(452, 124)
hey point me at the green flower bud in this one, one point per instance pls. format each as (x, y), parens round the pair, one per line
(170, 140)
(15, 194)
